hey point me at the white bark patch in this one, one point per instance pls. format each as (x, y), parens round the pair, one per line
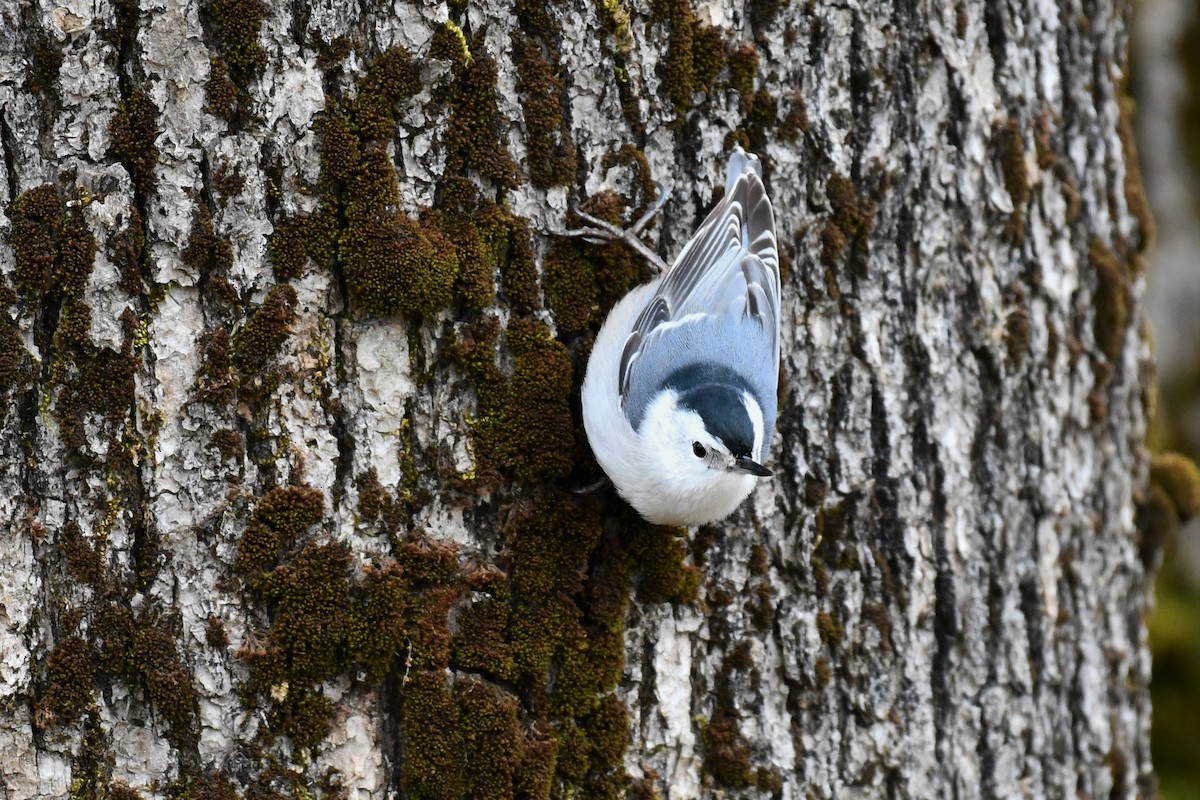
(385, 382)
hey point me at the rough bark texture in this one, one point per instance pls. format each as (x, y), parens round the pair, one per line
(291, 370)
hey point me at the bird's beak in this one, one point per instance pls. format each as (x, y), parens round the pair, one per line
(751, 467)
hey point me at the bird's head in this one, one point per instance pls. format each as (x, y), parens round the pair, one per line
(706, 431)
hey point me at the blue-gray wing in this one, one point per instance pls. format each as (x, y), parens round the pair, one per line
(730, 267)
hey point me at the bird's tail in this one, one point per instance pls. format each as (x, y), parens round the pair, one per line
(740, 161)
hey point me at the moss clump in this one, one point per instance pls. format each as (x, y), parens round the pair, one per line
(433, 764)
(393, 77)
(526, 426)
(480, 236)
(743, 69)
(519, 270)
(220, 93)
(238, 23)
(305, 645)
(12, 356)
(45, 62)
(449, 43)
(551, 158)
(155, 659)
(1010, 149)
(53, 251)
(1135, 191)
(708, 56)
(677, 70)
(1111, 300)
(659, 554)
(133, 130)
(796, 121)
(474, 137)
(570, 286)
(491, 738)
(393, 264)
(727, 754)
(69, 677)
(829, 630)
(339, 150)
(259, 340)
(281, 517)
(206, 253)
(287, 250)
(83, 562)
(850, 222)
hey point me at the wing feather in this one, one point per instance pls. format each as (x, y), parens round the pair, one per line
(730, 266)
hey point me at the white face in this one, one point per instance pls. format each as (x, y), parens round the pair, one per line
(684, 448)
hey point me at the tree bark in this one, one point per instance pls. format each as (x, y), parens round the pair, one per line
(291, 428)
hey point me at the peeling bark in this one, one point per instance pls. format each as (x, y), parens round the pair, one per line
(287, 461)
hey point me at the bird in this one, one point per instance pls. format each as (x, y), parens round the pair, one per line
(679, 395)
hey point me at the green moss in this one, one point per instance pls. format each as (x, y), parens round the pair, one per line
(450, 44)
(850, 222)
(393, 264)
(708, 56)
(660, 556)
(727, 754)
(155, 659)
(220, 93)
(45, 62)
(1135, 191)
(551, 153)
(286, 249)
(120, 791)
(677, 70)
(796, 122)
(206, 253)
(491, 738)
(69, 678)
(12, 357)
(1180, 480)
(829, 630)
(743, 69)
(539, 759)
(615, 19)
(570, 287)
(207, 786)
(616, 268)
(525, 424)
(83, 562)
(281, 517)
(237, 24)
(133, 130)
(475, 132)
(339, 150)
(1111, 300)
(1010, 149)
(53, 251)
(214, 379)
(392, 77)
(519, 270)
(433, 763)
(481, 644)
(259, 340)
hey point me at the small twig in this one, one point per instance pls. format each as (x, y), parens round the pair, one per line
(601, 232)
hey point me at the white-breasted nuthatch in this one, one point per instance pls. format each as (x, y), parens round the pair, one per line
(679, 397)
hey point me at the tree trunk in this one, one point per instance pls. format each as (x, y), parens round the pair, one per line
(291, 428)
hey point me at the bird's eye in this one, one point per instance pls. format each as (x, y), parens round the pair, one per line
(699, 450)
